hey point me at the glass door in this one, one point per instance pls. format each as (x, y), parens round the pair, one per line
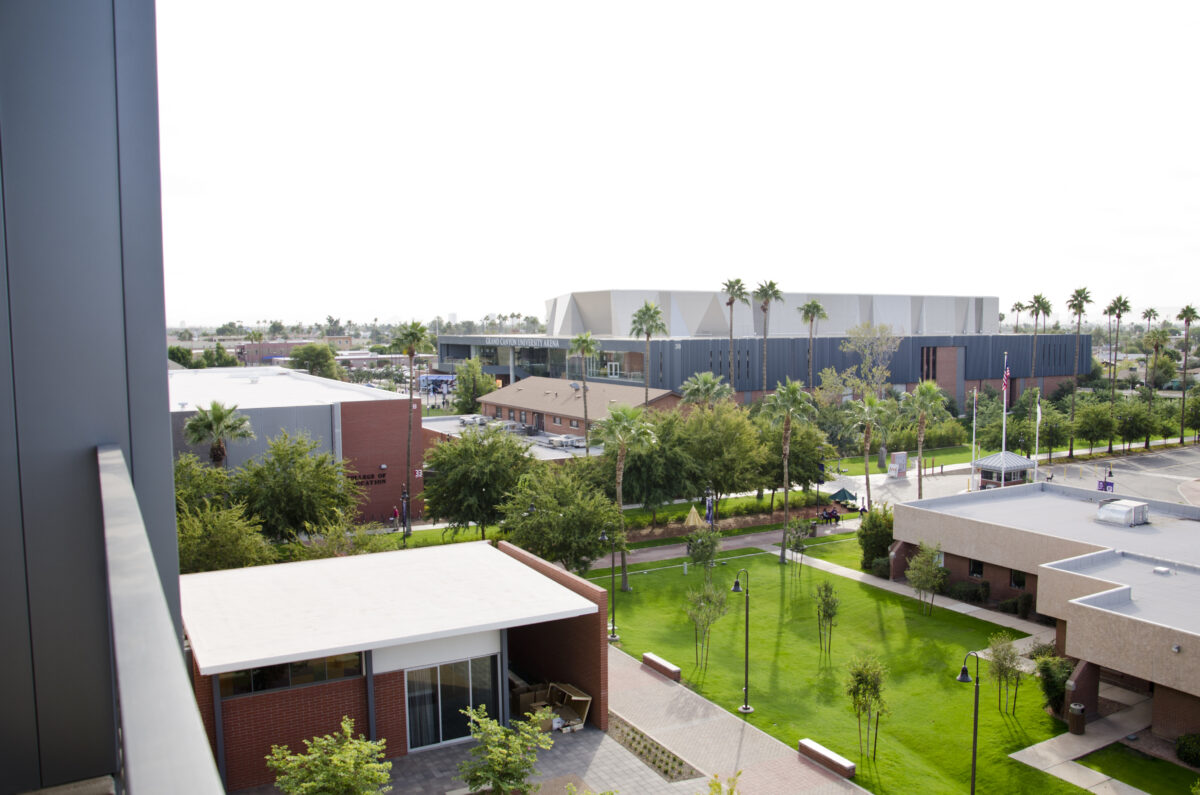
(437, 694)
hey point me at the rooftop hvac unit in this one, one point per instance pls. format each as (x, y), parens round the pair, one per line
(1123, 512)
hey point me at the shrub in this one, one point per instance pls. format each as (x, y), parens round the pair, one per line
(944, 583)
(1054, 673)
(882, 567)
(1042, 650)
(985, 590)
(1008, 606)
(966, 592)
(1187, 748)
(1025, 605)
(875, 535)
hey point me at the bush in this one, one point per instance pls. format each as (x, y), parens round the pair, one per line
(1008, 606)
(1054, 673)
(985, 590)
(1042, 650)
(875, 535)
(966, 592)
(882, 567)
(1025, 605)
(1187, 748)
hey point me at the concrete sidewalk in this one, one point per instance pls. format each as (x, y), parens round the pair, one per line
(710, 738)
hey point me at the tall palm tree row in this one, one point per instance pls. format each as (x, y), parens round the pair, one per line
(812, 312)
(736, 292)
(925, 403)
(1017, 307)
(1038, 305)
(411, 337)
(787, 404)
(705, 389)
(1120, 306)
(765, 293)
(215, 424)
(1077, 303)
(1156, 339)
(585, 346)
(1186, 315)
(624, 428)
(647, 322)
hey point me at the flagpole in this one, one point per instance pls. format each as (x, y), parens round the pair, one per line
(1037, 430)
(1004, 421)
(974, 414)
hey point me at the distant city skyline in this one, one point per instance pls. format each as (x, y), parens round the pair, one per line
(376, 160)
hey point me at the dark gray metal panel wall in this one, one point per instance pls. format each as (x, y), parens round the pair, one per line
(316, 421)
(77, 129)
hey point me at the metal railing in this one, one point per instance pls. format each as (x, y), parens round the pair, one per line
(164, 746)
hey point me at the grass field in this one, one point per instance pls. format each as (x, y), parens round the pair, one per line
(842, 550)
(925, 743)
(1136, 769)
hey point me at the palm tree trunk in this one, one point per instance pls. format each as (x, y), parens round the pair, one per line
(1112, 393)
(646, 373)
(1150, 386)
(1078, 327)
(587, 442)
(787, 487)
(867, 462)
(1033, 369)
(810, 361)
(921, 456)
(621, 508)
(764, 356)
(730, 302)
(1187, 329)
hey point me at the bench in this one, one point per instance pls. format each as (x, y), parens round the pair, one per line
(823, 756)
(662, 666)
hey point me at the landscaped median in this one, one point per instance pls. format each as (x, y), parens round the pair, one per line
(924, 741)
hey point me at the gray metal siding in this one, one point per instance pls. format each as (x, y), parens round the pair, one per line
(316, 421)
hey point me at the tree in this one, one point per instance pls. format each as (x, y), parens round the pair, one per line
(925, 403)
(827, 609)
(333, 327)
(183, 356)
(736, 292)
(556, 516)
(229, 329)
(317, 358)
(874, 346)
(1187, 315)
(864, 686)
(875, 535)
(197, 485)
(812, 312)
(788, 404)
(724, 448)
(1156, 340)
(1192, 418)
(1133, 421)
(585, 346)
(1018, 308)
(704, 388)
(276, 329)
(469, 478)
(765, 293)
(214, 537)
(702, 546)
(1148, 315)
(185, 335)
(625, 427)
(1118, 307)
(1077, 303)
(1094, 423)
(212, 426)
(292, 490)
(704, 607)
(336, 764)
(470, 384)
(1004, 664)
(217, 356)
(868, 415)
(1039, 306)
(656, 475)
(503, 758)
(411, 336)
(925, 574)
(647, 322)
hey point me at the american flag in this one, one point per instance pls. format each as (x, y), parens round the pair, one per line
(1005, 380)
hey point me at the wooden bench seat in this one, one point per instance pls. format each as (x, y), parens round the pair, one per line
(662, 666)
(823, 756)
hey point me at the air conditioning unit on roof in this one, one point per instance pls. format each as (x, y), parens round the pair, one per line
(1123, 512)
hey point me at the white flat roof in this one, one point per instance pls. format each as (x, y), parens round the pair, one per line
(264, 615)
(1145, 588)
(262, 387)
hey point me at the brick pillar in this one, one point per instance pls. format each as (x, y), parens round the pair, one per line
(1084, 687)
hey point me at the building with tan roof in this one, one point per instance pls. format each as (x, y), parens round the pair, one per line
(555, 405)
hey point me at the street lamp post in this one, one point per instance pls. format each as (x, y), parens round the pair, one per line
(963, 676)
(406, 519)
(612, 575)
(745, 708)
(710, 508)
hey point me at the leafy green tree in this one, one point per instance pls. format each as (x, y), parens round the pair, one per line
(503, 759)
(704, 607)
(1154, 340)
(736, 290)
(1004, 664)
(317, 358)
(788, 404)
(183, 356)
(585, 346)
(924, 404)
(1133, 421)
(1187, 315)
(333, 327)
(1094, 423)
(827, 609)
(868, 415)
(1192, 418)
(408, 341)
(647, 322)
(704, 388)
(215, 424)
(765, 294)
(812, 312)
(724, 447)
(293, 490)
(185, 335)
(925, 574)
(874, 346)
(556, 516)
(1077, 303)
(470, 384)
(197, 485)
(335, 764)
(469, 478)
(214, 537)
(217, 356)
(625, 427)
(864, 685)
(875, 535)
(702, 546)
(230, 329)
(276, 329)
(656, 475)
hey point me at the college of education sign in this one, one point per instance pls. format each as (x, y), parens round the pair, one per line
(525, 342)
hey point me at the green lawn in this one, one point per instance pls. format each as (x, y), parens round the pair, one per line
(925, 744)
(1156, 776)
(842, 550)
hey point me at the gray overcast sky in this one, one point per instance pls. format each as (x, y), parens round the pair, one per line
(401, 160)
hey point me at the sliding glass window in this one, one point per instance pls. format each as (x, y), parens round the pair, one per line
(437, 694)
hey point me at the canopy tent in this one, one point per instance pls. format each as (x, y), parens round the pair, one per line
(841, 495)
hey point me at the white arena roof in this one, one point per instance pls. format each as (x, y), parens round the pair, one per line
(262, 387)
(264, 615)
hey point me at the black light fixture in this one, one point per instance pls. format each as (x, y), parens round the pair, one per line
(612, 577)
(745, 708)
(965, 677)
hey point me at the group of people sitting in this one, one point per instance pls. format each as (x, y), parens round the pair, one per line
(829, 515)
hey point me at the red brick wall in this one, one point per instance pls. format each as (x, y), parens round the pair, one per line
(997, 577)
(572, 650)
(947, 369)
(1174, 713)
(375, 432)
(390, 708)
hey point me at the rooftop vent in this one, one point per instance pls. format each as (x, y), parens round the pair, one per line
(1123, 512)
(1162, 570)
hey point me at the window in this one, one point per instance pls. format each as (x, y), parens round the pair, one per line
(499, 413)
(523, 417)
(928, 364)
(556, 420)
(302, 672)
(574, 423)
(512, 414)
(1016, 579)
(437, 693)
(975, 568)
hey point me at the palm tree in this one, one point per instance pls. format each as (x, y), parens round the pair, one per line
(867, 414)
(1077, 303)
(736, 292)
(1017, 307)
(1119, 306)
(1149, 315)
(411, 337)
(624, 428)
(1186, 315)
(1039, 305)
(812, 312)
(1156, 339)
(585, 346)
(765, 293)
(923, 404)
(647, 321)
(788, 403)
(705, 389)
(212, 426)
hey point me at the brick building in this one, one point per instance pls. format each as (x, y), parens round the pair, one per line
(382, 639)
(553, 405)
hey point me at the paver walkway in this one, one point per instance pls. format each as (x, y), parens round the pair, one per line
(709, 738)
